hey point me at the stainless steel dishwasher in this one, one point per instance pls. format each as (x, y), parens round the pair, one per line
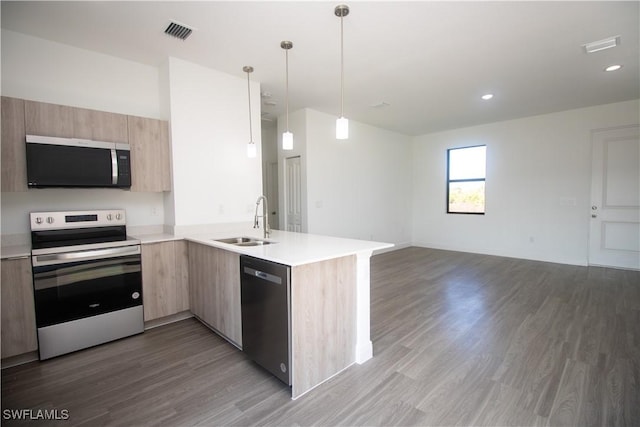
(266, 315)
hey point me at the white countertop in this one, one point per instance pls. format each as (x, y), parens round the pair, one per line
(156, 238)
(286, 248)
(15, 251)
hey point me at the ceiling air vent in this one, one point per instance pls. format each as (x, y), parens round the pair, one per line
(178, 30)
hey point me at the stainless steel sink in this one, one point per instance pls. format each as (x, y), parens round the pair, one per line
(244, 241)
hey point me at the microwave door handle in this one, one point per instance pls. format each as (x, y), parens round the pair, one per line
(114, 167)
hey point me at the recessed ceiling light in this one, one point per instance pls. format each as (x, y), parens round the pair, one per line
(487, 96)
(613, 67)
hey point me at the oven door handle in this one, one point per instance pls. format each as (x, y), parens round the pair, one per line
(89, 255)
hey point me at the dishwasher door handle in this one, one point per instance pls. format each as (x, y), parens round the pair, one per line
(262, 275)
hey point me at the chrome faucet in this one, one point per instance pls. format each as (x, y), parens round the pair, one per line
(265, 218)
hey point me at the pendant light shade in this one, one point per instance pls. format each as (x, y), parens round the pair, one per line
(252, 151)
(342, 128)
(342, 123)
(287, 136)
(287, 141)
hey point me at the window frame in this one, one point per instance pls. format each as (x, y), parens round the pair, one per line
(449, 180)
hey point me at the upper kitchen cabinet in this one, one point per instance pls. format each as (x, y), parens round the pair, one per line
(46, 119)
(149, 141)
(100, 125)
(148, 138)
(63, 121)
(14, 156)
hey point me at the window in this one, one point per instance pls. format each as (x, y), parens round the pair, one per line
(466, 170)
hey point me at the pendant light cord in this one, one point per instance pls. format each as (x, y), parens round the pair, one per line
(341, 68)
(250, 125)
(286, 61)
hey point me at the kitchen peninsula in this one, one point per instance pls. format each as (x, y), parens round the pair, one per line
(330, 315)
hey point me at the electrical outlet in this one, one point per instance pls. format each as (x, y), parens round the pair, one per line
(154, 211)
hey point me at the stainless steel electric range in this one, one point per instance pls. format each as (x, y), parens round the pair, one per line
(87, 279)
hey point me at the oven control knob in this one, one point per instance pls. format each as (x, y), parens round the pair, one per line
(118, 217)
(109, 217)
(38, 220)
(50, 220)
(135, 295)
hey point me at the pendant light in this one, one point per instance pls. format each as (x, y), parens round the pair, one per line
(287, 136)
(251, 146)
(342, 123)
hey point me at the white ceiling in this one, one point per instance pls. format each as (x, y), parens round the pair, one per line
(430, 61)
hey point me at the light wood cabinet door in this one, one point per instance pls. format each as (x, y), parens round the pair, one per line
(181, 249)
(229, 311)
(201, 282)
(48, 119)
(323, 321)
(18, 310)
(100, 125)
(63, 121)
(214, 284)
(14, 155)
(164, 279)
(150, 166)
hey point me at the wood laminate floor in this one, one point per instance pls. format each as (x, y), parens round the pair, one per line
(459, 339)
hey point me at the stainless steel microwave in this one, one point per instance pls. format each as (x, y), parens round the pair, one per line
(71, 162)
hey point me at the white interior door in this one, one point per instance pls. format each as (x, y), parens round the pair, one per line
(293, 194)
(614, 238)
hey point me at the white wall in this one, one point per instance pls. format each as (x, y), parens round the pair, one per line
(358, 188)
(214, 180)
(41, 70)
(538, 185)
(138, 206)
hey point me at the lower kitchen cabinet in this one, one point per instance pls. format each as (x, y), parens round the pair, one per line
(214, 280)
(18, 311)
(165, 280)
